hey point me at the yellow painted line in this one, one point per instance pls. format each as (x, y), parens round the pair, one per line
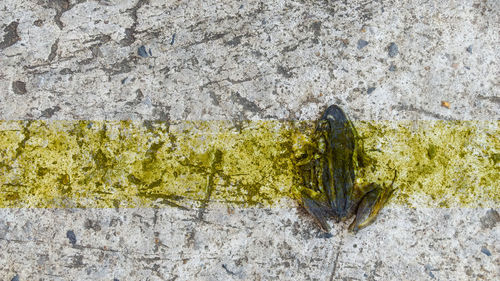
(89, 164)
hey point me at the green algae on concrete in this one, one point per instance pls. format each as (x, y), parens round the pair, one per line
(125, 164)
(137, 164)
(445, 163)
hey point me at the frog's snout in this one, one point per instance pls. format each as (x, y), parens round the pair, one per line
(334, 113)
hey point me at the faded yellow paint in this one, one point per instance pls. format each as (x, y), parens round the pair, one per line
(88, 164)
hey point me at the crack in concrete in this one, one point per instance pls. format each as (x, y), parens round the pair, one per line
(53, 50)
(412, 108)
(61, 6)
(129, 38)
(217, 158)
(335, 263)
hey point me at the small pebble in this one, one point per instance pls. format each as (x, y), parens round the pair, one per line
(393, 50)
(142, 52)
(173, 40)
(428, 269)
(469, 49)
(71, 236)
(362, 43)
(15, 278)
(19, 87)
(147, 101)
(328, 235)
(370, 90)
(485, 251)
(392, 68)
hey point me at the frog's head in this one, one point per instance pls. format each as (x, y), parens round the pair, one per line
(336, 128)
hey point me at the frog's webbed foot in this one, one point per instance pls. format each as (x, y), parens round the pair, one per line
(319, 210)
(371, 204)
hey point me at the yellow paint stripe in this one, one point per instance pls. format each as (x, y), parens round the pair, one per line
(89, 164)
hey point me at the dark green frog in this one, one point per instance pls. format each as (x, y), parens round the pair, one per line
(328, 170)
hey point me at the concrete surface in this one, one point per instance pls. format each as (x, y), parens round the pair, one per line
(246, 244)
(248, 59)
(238, 60)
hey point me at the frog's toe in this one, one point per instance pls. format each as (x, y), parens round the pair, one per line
(319, 211)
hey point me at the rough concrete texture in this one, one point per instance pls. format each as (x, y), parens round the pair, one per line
(248, 60)
(246, 244)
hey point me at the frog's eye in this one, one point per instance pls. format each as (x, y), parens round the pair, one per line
(323, 125)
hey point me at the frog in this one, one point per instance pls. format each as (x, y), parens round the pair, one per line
(328, 163)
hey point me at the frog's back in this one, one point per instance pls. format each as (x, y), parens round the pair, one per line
(338, 175)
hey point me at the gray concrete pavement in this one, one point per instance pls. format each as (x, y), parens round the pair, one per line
(246, 244)
(248, 59)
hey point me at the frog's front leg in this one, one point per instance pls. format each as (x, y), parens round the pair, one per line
(370, 205)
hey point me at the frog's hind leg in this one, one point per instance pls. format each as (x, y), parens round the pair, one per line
(370, 205)
(367, 210)
(319, 211)
(358, 194)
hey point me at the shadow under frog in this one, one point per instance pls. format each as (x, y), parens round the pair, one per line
(328, 166)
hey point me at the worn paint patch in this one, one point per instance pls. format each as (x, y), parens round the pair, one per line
(88, 164)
